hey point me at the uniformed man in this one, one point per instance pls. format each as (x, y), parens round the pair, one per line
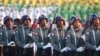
(75, 41)
(87, 25)
(24, 38)
(93, 37)
(8, 39)
(17, 22)
(58, 37)
(1, 46)
(42, 40)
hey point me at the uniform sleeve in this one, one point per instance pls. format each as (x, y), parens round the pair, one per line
(87, 43)
(54, 41)
(69, 43)
(17, 39)
(36, 37)
(13, 37)
(47, 40)
(3, 38)
(31, 37)
(64, 43)
(55, 44)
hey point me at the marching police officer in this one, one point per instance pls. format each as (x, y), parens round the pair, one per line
(17, 22)
(75, 41)
(24, 37)
(58, 37)
(87, 27)
(8, 37)
(42, 39)
(93, 37)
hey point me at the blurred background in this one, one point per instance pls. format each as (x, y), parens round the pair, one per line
(50, 8)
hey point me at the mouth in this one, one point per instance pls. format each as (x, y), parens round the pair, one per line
(97, 24)
(76, 27)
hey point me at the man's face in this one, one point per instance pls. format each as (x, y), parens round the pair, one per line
(60, 23)
(77, 24)
(96, 22)
(9, 22)
(27, 22)
(16, 23)
(43, 22)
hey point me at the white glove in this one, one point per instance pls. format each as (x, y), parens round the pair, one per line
(80, 49)
(34, 47)
(9, 44)
(12, 43)
(47, 46)
(98, 48)
(53, 26)
(27, 46)
(49, 35)
(68, 48)
(64, 49)
(30, 34)
(31, 45)
(41, 43)
(83, 37)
